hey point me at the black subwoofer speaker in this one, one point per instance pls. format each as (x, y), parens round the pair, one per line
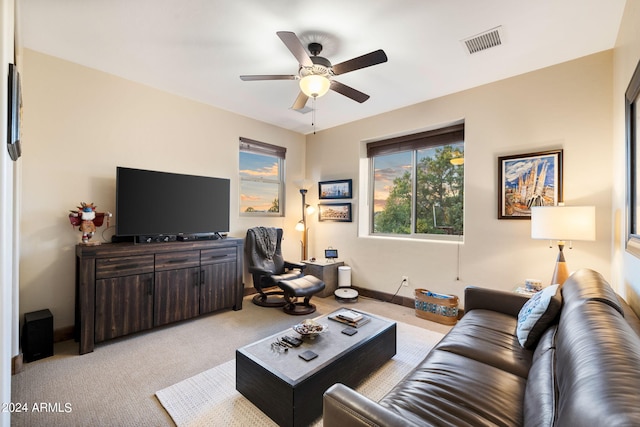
(37, 335)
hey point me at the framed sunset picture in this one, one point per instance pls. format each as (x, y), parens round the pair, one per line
(340, 212)
(528, 180)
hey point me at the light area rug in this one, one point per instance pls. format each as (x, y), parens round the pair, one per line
(210, 398)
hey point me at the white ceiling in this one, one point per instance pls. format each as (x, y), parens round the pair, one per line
(199, 48)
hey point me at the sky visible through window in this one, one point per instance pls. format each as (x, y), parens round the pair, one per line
(260, 176)
(388, 168)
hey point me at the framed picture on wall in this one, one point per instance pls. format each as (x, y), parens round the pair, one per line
(340, 212)
(527, 180)
(339, 189)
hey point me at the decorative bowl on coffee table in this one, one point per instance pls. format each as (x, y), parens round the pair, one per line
(309, 328)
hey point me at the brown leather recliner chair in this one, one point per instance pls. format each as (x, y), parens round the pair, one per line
(267, 265)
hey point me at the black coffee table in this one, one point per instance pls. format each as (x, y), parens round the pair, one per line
(289, 390)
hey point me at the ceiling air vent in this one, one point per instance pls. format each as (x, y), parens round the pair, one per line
(304, 110)
(483, 41)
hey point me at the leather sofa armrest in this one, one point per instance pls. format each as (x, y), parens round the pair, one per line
(346, 407)
(492, 299)
(291, 265)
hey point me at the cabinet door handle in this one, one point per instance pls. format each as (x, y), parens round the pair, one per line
(176, 261)
(202, 277)
(150, 287)
(218, 256)
(124, 266)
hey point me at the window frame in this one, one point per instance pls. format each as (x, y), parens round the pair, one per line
(439, 137)
(257, 147)
(632, 101)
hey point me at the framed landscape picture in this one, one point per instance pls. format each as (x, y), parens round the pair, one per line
(340, 212)
(339, 189)
(527, 180)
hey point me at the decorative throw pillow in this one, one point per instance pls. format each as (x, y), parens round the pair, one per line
(537, 315)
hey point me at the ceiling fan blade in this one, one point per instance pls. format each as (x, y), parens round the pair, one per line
(294, 44)
(300, 101)
(348, 91)
(373, 58)
(268, 77)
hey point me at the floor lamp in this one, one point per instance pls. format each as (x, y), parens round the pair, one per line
(563, 223)
(302, 224)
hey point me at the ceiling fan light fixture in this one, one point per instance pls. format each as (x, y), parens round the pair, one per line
(314, 85)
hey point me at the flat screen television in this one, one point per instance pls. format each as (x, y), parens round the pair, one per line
(152, 203)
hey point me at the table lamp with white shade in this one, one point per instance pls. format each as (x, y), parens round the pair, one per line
(563, 223)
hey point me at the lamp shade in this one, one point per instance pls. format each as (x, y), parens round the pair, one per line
(563, 222)
(314, 85)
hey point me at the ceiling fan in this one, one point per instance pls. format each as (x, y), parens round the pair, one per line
(316, 72)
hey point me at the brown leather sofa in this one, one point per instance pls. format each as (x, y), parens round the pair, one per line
(584, 370)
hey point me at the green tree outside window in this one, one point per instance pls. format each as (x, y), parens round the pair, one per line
(419, 191)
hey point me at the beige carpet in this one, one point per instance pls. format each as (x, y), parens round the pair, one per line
(116, 384)
(210, 398)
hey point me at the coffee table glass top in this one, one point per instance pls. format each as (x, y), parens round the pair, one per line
(329, 346)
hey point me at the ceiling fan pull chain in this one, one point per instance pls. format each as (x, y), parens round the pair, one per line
(313, 115)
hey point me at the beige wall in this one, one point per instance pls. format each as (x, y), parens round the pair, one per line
(567, 106)
(626, 57)
(79, 124)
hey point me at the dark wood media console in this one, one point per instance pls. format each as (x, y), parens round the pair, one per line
(123, 288)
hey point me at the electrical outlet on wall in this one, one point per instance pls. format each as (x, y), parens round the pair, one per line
(405, 280)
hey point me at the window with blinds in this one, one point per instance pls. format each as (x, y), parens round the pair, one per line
(417, 183)
(261, 178)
